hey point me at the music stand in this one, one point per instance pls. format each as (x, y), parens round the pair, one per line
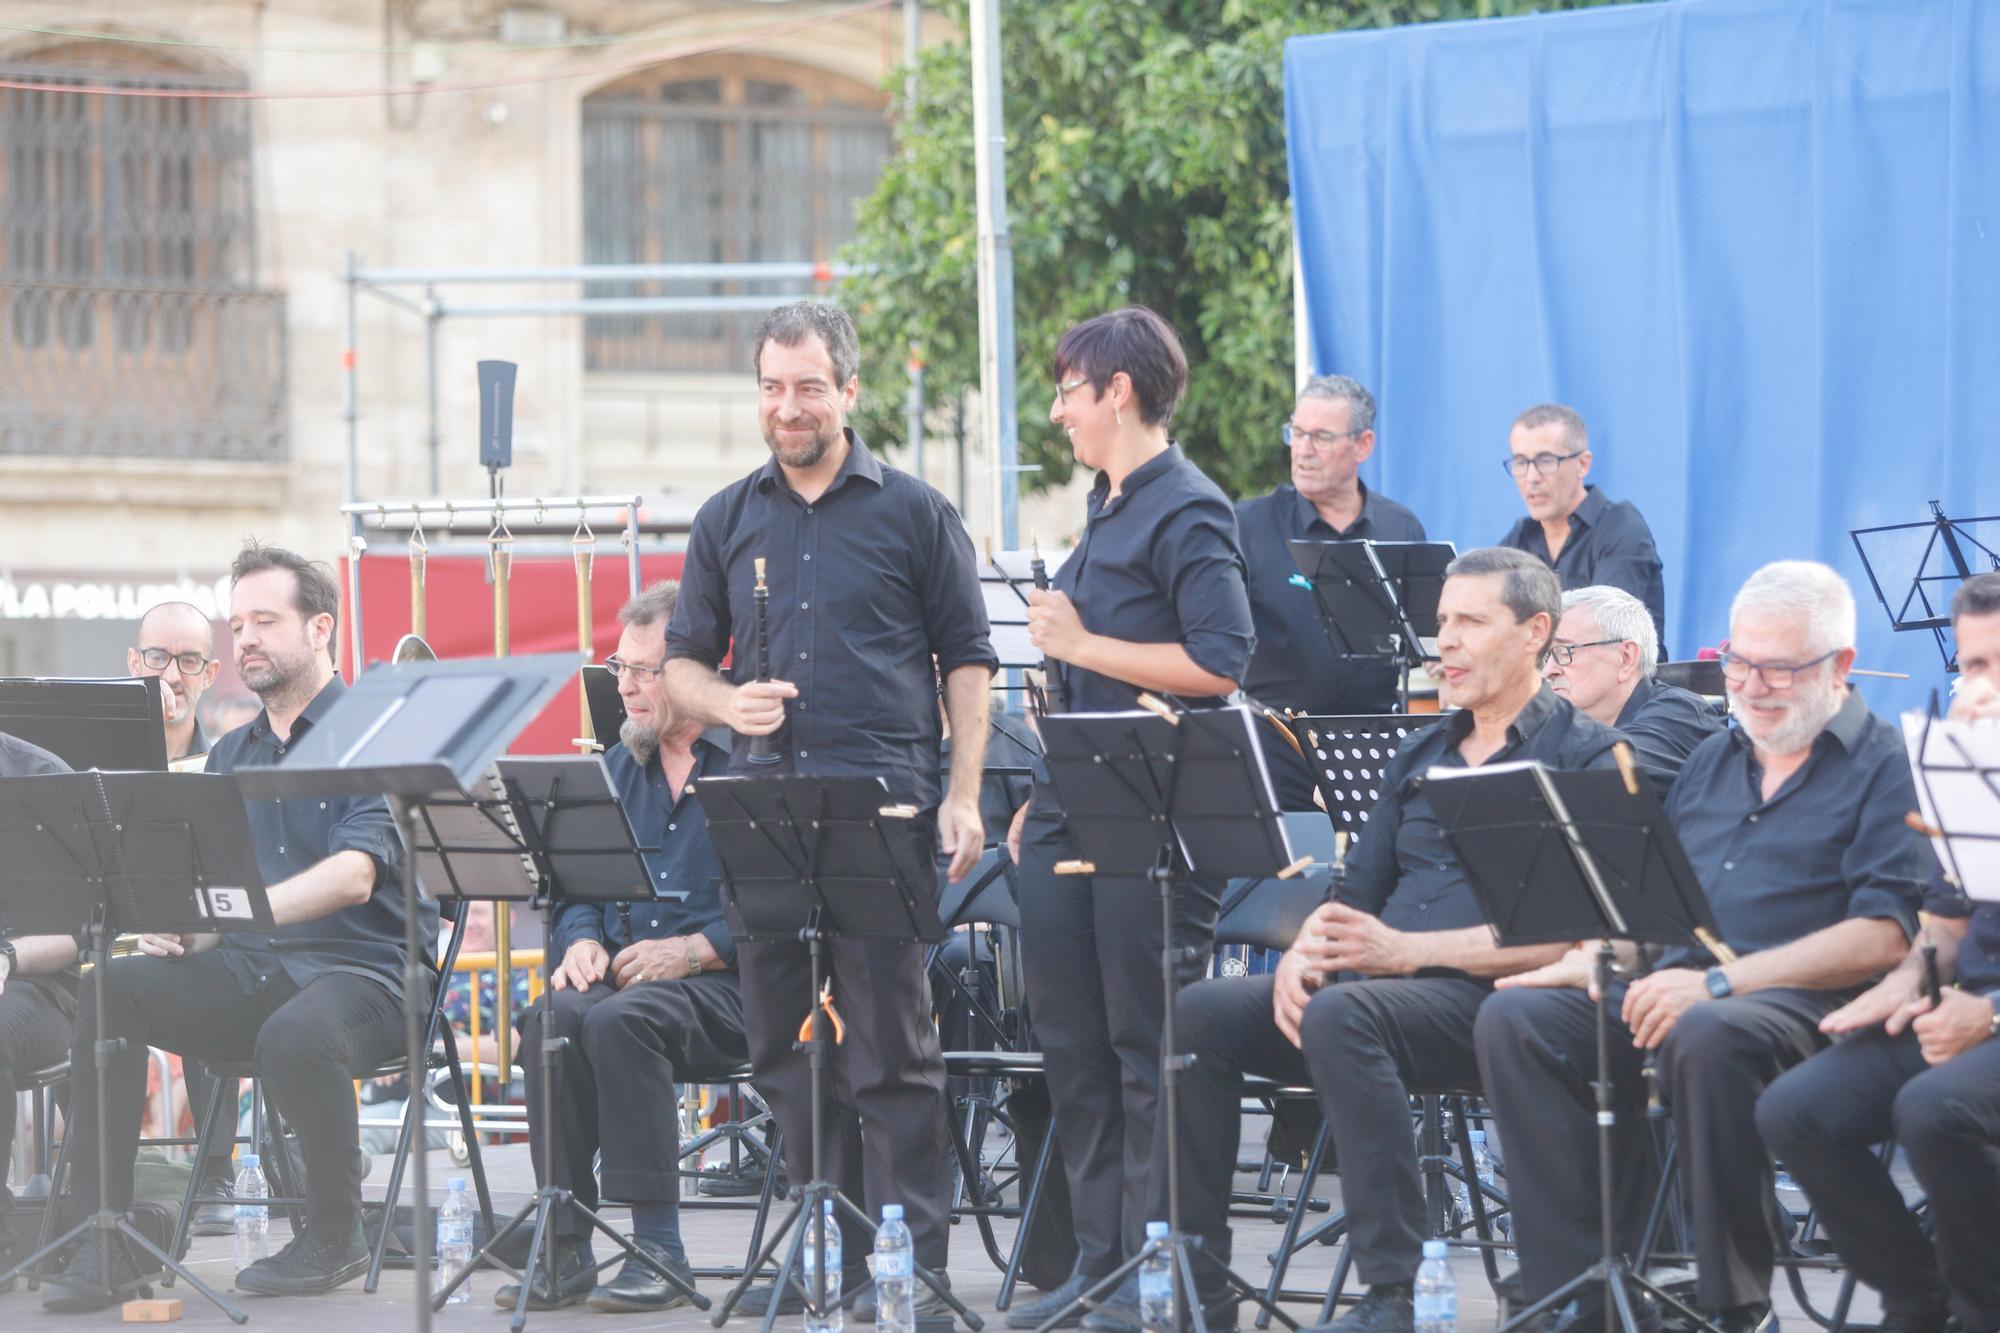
(1376, 599)
(1701, 675)
(607, 707)
(1166, 795)
(136, 853)
(1926, 603)
(1349, 757)
(813, 859)
(1554, 857)
(114, 725)
(416, 732)
(1957, 767)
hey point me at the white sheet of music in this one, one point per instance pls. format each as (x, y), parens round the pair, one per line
(1958, 792)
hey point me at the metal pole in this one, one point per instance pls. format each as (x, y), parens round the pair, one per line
(913, 409)
(913, 36)
(433, 317)
(996, 269)
(351, 483)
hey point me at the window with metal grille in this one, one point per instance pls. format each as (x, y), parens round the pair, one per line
(718, 161)
(130, 317)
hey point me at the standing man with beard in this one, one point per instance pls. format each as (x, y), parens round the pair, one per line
(175, 643)
(874, 598)
(645, 994)
(1793, 820)
(314, 1004)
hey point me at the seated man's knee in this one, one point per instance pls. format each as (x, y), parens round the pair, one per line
(1507, 1016)
(1337, 1016)
(1210, 1017)
(1791, 1116)
(1931, 1120)
(615, 1029)
(296, 1040)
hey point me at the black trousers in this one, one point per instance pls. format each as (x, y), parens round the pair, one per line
(1090, 955)
(1368, 1045)
(1822, 1118)
(1537, 1058)
(616, 1082)
(886, 1113)
(34, 1035)
(308, 1043)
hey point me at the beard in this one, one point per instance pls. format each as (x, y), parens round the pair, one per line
(1804, 717)
(807, 454)
(179, 705)
(643, 740)
(279, 673)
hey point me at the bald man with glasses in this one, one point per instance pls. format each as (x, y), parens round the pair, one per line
(177, 644)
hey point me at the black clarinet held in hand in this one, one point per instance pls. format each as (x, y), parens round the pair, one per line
(1055, 696)
(763, 749)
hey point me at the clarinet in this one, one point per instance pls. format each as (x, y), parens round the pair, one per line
(1055, 696)
(763, 749)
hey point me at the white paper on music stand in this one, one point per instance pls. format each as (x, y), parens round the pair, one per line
(1955, 797)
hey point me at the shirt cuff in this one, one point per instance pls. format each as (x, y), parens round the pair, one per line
(719, 939)
(1883, 905)
(1224, 655)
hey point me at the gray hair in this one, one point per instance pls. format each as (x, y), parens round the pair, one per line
(790, 325)
(1621, 616)
(1575, 434)
(654, 606)
(1804, 590)
(1977, 596)
(1530, 587)
(1339, 388)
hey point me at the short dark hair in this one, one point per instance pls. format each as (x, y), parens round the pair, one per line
(654, 606)
(790, 325)
(316, 594)
(1977, 596)
(1575, 433)
(1530, 587)
(1136, 341)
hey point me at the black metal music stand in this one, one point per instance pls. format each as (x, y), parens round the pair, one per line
(114, 725)
(1554, 857)
(553, 833)
(607, 707)
(813, 859)
(1349, 757)
(1926, 603)
(97, 854)
(416, 732)
(1957, 768)
(1165, 795)
(1377, 599)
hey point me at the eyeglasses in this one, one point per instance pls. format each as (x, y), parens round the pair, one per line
(645, 675)
(191, 664)
(1319, 439)
(1063, 390)
(1562, 654)
(1777, 675)
(1546, 464)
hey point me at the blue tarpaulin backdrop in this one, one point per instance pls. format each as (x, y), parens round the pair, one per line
(1756, 243)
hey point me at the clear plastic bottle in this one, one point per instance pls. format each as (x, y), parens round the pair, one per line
(1436, 1299)
(895, 1274)
(253, 1220)
(1502, 1226)
(691, 1164)
(1156, 1284)
(831, 1320)
(454, 1240)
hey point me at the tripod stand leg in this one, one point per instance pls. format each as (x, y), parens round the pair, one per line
(756, 1266)
(672, 1279)
(137, 1237)
(1092, 1297)
(1267, 1308)
(1188, 1293)
(541, 1251)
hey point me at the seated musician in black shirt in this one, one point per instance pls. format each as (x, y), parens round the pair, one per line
(1928, 1077)
(1330, 435)
(37, 1003)
(315, 1004)
(1571, 526)
(1603, 661)
(645, 995)
(1793, 820)
(1375, 999)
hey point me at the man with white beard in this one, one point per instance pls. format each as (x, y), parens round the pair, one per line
(1793, 821)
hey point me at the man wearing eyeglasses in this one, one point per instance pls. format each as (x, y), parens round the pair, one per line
(1571, 526)
(1603, 659)
(1331, 433)
(176, 643)
(1793, 821)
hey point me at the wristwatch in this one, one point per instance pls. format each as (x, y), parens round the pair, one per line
(7, 952)
(1718, 984)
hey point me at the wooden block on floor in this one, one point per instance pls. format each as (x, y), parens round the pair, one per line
(154, 1311)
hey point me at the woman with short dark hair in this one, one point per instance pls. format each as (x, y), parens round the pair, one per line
(1151, 599)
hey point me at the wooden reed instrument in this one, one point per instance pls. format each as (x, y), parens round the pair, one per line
(763, 749)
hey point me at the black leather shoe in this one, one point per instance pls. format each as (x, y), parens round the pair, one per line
(1044, 1308)
(638, 1289)
(576, 1275)
(1927, 1319)
(211, 1217)
(1757, 1317)
(79, 1288)
(1119, 1313)
(757, 1300)
(1385, 1309)
(926, 1301)
(311, 1265)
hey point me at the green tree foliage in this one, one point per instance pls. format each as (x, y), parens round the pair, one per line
(1145, 163)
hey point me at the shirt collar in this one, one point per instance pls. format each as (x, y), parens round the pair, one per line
(328, 696)
(860, 462)
(1308, 513)
(1533, 715)
(1592, 509)
(1642, 694)
(1846, 728)
(1156, 466)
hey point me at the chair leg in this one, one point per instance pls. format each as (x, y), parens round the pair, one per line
(462, 1092)
(204, 1135)
(1288, 1240)
(1031, 1204)
(1334, 1288)
(48, 1231)
(412, 1116)
(1475, 1195)
(764, 1199)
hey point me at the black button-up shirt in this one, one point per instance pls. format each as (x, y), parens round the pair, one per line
(685, 859)
(1978, 967)
(23, 759)
(1403, 868)
(1608, 543)
(867, 583)
(294, 835)
(1830, 845)
(1159, 564)
(1665, 723)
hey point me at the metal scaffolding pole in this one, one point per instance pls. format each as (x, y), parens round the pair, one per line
(996, 269)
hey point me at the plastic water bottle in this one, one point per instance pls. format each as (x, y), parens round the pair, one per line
(691, 1163)
(1436, 1299)
(1156, 1284)
(454, 1240)
(895, 1274)
(253, 1220)
(1502, 1226)
(831, 1320)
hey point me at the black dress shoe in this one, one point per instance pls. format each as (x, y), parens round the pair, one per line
(1757, 1317)
(1118, 1313)
(924, 1300)
(576, 1275)
(1384, 1309)
(1926, 1319)
(211, 1217)
(1044, 1308)
(80, 1287)
(311, 1265)
(757, 1300)
(638, 1289)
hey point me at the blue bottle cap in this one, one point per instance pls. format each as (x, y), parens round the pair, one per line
(250, 1161)
(1434, 1249)
(892, 1212)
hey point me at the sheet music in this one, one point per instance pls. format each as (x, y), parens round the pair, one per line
(1957, 770)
